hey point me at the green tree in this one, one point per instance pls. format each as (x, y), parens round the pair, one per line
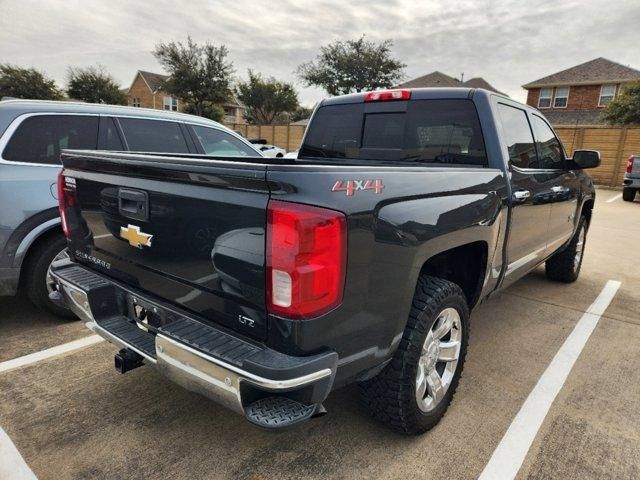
(266, 98)
(207, 110)
(200, 75)
(352, 66)
(625, 109)
(300, 113)
(94, 85)
(27, 83)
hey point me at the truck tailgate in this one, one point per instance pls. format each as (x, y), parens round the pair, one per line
(191, 231)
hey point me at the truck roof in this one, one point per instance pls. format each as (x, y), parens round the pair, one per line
(416, 94)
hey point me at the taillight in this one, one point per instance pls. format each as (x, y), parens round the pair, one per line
(66, 199)
(630, 164)
(387, 95)
(306, 259)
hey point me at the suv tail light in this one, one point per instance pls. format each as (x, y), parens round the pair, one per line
(387, 95)
(66, 199)
(306, 259)
(630, 164)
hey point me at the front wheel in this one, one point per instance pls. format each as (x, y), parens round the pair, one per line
(565, 266)
(414, 390)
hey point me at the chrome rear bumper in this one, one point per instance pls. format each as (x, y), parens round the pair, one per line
(212, 377)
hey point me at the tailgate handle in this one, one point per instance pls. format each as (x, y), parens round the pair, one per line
(133, 204)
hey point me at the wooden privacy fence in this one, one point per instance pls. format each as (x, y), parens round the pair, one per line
(615, 144)
(287, 136)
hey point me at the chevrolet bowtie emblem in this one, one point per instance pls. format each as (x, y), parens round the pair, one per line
(135, 237)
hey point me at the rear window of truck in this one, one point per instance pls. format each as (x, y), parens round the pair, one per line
(429, 131)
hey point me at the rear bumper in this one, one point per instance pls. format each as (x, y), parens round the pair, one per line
(217, 364)
(631, 182)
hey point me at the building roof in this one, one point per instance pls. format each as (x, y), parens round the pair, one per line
(596, 71)
(579, 118)
(439, 79)
(153, 80)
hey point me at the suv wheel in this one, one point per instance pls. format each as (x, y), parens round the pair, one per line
(38, 282)
(565, 266)
(414, 390)
(628, 194)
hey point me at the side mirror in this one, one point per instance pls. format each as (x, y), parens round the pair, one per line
(586, 159)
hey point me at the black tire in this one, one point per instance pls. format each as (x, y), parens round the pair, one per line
(628, 194)
(391, 395)
(35, 273)
(562, 267)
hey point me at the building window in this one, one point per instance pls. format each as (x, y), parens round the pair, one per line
(170, 103)
(607, 94)
(544, 101)
(135, 102)
(562, 97)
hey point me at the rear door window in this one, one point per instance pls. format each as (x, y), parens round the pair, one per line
(428, 131)
(518, 136)
(39, 139)
(157, 136)
(218, 142)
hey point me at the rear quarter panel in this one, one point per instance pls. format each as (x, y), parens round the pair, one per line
(419, 213)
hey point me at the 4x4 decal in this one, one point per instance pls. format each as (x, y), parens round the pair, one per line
(352, 186)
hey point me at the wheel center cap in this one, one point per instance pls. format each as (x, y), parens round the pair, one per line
(431, 356)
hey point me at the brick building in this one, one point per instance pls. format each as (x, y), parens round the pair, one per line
(146, 92)
(439, 79)
(577, 95)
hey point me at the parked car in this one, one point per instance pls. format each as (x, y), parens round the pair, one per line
(359, 261)
(267, 149)
(32, 134)
(631, 180)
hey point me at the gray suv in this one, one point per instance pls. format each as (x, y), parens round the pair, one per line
(32, 134)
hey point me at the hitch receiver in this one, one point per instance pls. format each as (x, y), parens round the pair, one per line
(126, 360)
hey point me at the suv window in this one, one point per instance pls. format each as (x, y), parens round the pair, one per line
(39, 139)
(429, 131)
(153, 135)
(518, 136)
(109, 136)
(550, 153)
(217, 142)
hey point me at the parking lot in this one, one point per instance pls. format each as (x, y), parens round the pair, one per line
(73, 416)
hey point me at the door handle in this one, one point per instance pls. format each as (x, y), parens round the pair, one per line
(521, 195)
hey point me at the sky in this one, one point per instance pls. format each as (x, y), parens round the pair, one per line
(508, 42)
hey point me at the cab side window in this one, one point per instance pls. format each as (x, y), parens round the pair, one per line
(518, 136)
(39, 139)
(550, 153)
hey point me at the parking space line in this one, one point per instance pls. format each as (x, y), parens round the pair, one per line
(12, 464)
(49, 352)
(614, 198)
(511, 451)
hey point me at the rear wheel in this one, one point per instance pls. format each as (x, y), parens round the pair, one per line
(38, 282)
(413, 392)
(565, 266)
(628, 194)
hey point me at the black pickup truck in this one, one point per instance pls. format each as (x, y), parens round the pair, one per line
(265, 284)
